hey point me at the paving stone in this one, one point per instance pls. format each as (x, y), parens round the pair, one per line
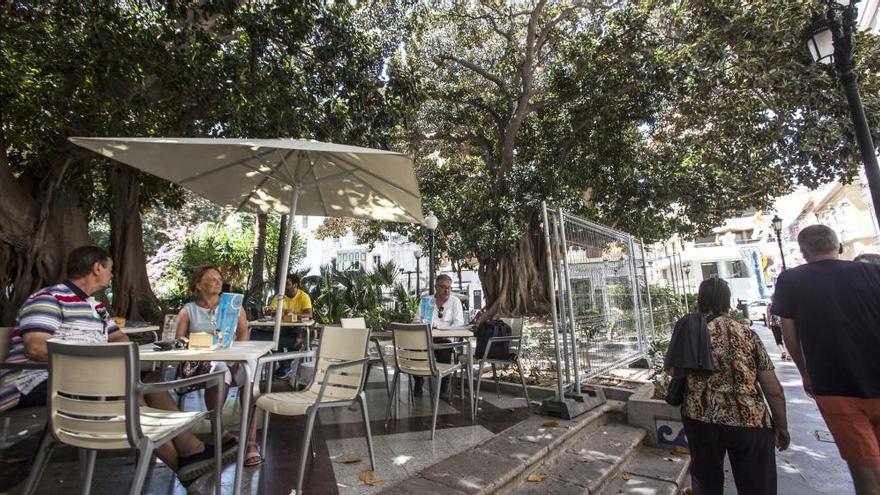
(642, 485)
(550, 485)
(588, 475)
(609, 443)
(659, 464)
(473, 471)
(513, 447)
(420, 486)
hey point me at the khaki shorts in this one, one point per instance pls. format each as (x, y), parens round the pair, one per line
(855, 426)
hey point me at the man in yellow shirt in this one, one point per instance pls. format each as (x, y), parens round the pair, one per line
(296, 300)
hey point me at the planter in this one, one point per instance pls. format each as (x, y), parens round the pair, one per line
(659, 419)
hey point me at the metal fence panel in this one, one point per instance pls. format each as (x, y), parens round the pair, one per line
(603, 295)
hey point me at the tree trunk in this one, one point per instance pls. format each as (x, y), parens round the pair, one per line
(133, 296)
(517, 284)
(255, 291)
(40, 223)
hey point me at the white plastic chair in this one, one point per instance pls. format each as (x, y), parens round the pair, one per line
(414, 355)
(515, 342)
(93, 405)
(378, 358)
(340, 371)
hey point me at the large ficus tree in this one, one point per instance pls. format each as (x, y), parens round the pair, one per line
(654, 117)
(262, 69)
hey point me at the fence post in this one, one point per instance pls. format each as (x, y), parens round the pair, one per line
(637, 301)
(568, 291)
(551, 293)
(563, 317)
(648, 289)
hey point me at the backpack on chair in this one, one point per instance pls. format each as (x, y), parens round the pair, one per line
(487, 330)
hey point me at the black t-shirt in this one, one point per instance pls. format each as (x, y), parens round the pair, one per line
(836, 307)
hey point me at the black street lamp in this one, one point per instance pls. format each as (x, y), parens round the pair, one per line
(418, 254)
(829, 39)
(687, 272)
(431, 223)
(777, 226)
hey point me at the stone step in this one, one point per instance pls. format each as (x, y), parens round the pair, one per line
(654, 471)
(501, 464)
(589, 465)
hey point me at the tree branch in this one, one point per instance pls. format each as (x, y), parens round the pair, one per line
(476, 69)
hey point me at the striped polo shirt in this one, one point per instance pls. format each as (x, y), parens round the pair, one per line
(64, 311)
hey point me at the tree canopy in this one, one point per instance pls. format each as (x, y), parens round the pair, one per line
(655, 117)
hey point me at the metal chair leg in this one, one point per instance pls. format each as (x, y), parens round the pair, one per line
(476, 396)
(436, 392)
(145, 452)
(495, 377)
(522, 379)
(265, 433)
(87, 469)
(217, 433)
(366, 415)
(47, 444)
(307, 437)
(391, 400)
(384, 366)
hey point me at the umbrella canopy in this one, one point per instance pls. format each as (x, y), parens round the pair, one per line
(272, 175)
(259, 175)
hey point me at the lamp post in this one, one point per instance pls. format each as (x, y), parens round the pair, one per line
(418, 254)
(431, 222)
(829, 39)
(687, 273)
(777, 226)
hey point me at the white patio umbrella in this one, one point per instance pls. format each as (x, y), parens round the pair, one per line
(287, 176)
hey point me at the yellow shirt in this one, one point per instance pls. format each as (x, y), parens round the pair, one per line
(296, 304)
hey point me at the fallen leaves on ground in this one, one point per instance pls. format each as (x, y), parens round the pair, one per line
(366, 477)
(550, 424)
(679, 450)
(351, 460)
(535, 477)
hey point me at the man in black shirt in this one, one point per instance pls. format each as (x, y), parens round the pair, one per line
(830, 312)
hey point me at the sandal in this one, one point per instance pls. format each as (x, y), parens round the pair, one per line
(253, 457)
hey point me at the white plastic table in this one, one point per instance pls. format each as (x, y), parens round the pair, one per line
(131, 330)
(286, 324)
(239, 351)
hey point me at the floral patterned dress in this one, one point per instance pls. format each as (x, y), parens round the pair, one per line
(730, 395)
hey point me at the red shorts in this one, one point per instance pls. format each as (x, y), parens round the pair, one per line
(855, 426)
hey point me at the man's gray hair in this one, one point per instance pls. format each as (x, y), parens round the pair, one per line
(818, 239)
(443, 276)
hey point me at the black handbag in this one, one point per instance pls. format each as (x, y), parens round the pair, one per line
(676, 390)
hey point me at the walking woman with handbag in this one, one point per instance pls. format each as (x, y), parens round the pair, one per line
(723, 410)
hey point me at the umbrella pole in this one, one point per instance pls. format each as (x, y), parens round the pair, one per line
(285, 261)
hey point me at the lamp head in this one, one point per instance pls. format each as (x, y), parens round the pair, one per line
(777, 223)
(417, 252)
(820, 40)
(431, 221)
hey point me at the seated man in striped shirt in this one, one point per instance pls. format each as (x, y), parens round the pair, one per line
(69, 312)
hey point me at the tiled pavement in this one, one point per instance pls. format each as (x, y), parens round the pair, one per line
(401, 451)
